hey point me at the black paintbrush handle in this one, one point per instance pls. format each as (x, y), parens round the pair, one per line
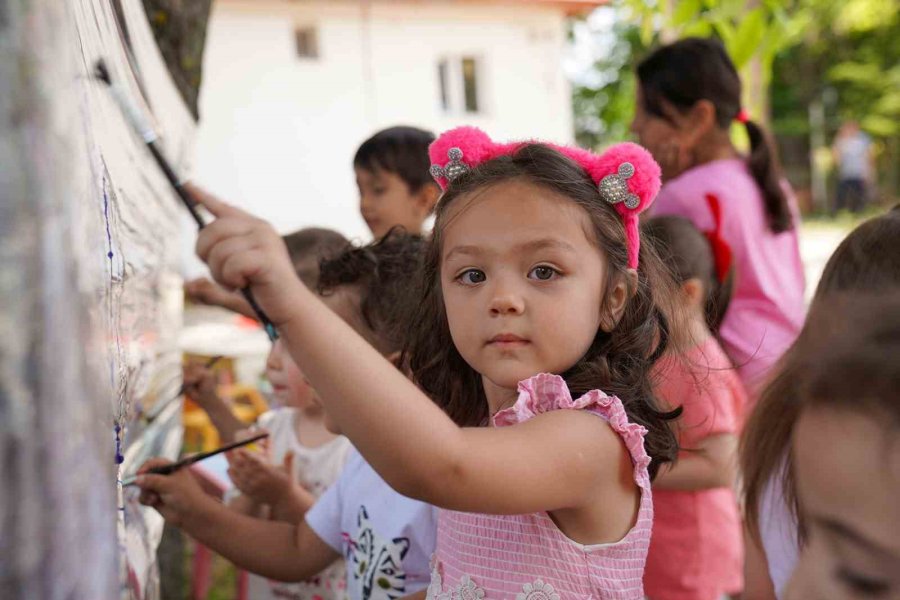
(176, 182)
(184, 462)
(191, 205)
(143, 128)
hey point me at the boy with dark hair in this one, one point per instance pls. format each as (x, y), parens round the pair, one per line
(395, 187)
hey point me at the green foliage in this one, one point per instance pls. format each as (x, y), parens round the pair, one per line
(746, 29)
(849, 49)
(604, 107)
(850, 56)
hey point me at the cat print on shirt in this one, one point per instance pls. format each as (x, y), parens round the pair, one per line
(377, 566)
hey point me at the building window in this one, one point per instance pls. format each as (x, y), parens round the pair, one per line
(470, 84)
(458, 83)
(307, 42)
(443, 82)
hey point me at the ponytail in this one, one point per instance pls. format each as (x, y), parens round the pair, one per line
(717, 301)
(763, 165)
(694, 69)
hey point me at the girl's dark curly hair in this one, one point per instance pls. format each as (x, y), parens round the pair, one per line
(381, 277)
(618, 362)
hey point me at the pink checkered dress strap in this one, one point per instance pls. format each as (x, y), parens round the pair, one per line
(527, 557)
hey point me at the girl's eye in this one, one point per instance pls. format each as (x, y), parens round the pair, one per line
(542, 273)
(471, 277)
(379, 191)
(862, 584)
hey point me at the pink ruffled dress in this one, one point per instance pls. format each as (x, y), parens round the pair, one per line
(527, 557)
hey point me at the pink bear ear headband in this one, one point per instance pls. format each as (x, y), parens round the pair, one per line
(626, 175)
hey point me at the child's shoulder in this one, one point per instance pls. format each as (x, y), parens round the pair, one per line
(276, 418)
(705, 362)
(684, 194)
(710, 353)
(702, 376)
(547, 404)
(546, 394)
(722, 171)
(360, 480)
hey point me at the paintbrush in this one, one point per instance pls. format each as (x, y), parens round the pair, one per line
(184, 462)
(143, 128)
(157, 410)
(208, 365)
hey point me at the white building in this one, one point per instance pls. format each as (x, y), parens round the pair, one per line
(291, 88)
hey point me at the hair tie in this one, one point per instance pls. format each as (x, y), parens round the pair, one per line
(721, 251)
(626, 175)
(742, 117)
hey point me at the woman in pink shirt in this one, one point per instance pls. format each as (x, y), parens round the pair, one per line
(688, 96)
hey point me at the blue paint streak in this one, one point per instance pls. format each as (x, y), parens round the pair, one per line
(106, 218)
(119, 458)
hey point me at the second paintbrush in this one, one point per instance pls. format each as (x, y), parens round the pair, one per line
(184, 462)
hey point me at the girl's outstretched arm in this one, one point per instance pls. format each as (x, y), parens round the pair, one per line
(276, 550)
(554, 461)
(711, 464)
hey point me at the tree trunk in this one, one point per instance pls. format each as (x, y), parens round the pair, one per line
(180, 30)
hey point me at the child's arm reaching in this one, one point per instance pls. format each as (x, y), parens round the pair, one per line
(712, 464)
(246, 505)
(269, 548)
(757, 581)
(561, 459)
(200, 386)
(204, 291)
(271, 485)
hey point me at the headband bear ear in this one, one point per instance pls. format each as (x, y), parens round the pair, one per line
(457, 151)
(627, 177)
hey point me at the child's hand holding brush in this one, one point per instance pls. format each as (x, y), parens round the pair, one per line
(177, 496)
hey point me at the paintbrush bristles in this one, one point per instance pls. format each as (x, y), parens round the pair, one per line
(101, 72)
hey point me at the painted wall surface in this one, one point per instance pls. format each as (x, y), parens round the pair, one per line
(278, 132)
(91, 299)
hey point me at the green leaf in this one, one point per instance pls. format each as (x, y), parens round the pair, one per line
(731, 9)
(698, 28)
(725, 31)
(880, 126)
(889, 104)
(864, 15)
(747, 38)
(647, 31)
(685, 12)
(866, 75)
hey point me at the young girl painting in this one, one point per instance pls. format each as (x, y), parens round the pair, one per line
(534, 426)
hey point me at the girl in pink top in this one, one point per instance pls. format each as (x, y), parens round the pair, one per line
(696, 550)
(536, 333)
(689, 94)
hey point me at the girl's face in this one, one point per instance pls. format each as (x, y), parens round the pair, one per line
(522, 284)
(672, 141)
(848, 483)
(289, 386)
(652, 130)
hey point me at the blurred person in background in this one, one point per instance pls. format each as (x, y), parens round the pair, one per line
(852, 152)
